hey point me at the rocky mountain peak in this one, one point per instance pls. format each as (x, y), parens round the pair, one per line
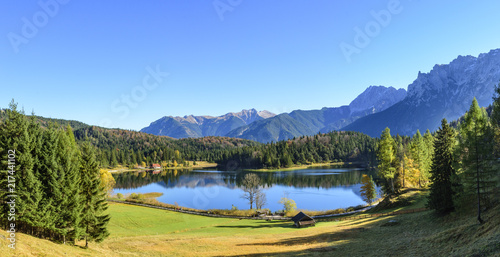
(464, 77)
(377, 98)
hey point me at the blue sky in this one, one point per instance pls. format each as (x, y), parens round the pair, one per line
(127, 63)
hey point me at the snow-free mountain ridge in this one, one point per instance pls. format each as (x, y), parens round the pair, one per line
(445, 92)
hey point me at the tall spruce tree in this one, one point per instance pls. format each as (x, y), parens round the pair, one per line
(49, 175)
(442, 170)
(476, 145)
(93, 220)
(68, 157)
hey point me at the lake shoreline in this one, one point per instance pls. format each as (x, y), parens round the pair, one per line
(203, 165)
(302, 166)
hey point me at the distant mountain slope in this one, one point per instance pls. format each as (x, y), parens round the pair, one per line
(201, 126)
(445, 92)
(299, 122)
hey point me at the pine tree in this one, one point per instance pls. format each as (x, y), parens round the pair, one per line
(93, 220)
(476, 147)
(442, 170)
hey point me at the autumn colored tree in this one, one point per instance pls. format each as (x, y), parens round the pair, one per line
(289, 205)
(107, 181)
(368, 190)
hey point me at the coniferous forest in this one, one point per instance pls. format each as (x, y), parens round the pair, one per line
(54, 184)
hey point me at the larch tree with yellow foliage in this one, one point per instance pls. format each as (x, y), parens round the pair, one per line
(107, 181)
(368, 190)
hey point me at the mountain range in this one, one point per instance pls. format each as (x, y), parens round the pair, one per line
(298, 123)
(264, 126)
(445, 92)
(202, 126)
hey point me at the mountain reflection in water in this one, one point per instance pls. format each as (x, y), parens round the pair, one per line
(313, 189)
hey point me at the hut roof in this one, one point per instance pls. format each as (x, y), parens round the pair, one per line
(301, 217)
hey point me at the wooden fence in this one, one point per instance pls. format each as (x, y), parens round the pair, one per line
(204, 213)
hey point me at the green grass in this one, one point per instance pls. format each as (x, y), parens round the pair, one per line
(130, 220)
(142, 231)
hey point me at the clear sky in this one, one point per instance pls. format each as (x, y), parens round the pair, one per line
(127, 63)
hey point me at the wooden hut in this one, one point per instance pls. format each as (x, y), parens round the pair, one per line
(303, 220)
(155, 166)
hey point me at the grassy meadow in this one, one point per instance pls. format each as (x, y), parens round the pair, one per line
(142, 231)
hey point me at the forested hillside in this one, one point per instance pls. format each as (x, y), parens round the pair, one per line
(333, 146)
(130, 148)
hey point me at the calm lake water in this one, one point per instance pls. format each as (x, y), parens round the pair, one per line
(321, 188)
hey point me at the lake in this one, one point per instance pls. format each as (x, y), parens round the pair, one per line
(318, 188)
